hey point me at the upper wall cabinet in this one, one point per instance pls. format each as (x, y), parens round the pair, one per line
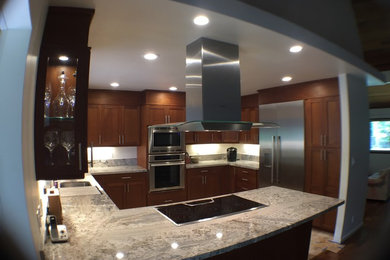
(61, 95)
(113, 118)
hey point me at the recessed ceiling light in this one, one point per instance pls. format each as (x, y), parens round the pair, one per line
(296, 48)
(286, 78)
(114, 84)
(63, 58)
(150, 56)
(172, 88)
(201, 20)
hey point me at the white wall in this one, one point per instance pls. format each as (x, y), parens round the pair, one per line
(354, 157)
(379, 161)
(18, 189)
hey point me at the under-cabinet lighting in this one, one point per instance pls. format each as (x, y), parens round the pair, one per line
(172, 88)
(150, 56)
(114, 84)
(201, 20)
(296, 48)
(219, 235)
(286, 78)
(63, 58)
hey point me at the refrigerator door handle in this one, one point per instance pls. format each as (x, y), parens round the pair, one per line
(273, 159)
(278, 152)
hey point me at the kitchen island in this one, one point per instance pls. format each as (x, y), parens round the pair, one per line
(99, 230)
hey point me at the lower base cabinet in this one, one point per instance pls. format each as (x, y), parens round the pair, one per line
(169, 196)
(125, 190)
(245, 179)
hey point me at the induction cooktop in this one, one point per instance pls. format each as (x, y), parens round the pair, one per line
(206, 209)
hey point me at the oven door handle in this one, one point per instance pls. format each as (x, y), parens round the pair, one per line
(167, 164)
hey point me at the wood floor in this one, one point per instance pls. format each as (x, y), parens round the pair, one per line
(372, 241)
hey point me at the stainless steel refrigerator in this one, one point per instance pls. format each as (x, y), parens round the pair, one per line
(282, 149)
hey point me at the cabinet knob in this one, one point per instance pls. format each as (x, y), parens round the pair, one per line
(167, 201)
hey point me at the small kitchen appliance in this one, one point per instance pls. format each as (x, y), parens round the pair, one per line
(231, 154)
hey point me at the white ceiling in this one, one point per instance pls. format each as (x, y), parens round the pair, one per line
(123, 30)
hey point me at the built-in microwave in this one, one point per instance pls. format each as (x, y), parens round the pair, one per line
(165, 139)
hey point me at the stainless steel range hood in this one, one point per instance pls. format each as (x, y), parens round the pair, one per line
(213, 90)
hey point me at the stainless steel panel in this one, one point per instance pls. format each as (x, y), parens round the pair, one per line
(212, 81)
(288, 155)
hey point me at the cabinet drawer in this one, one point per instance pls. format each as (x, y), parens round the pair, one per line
(163, 197)
(205, 170)
(246, 179)
(125, 177)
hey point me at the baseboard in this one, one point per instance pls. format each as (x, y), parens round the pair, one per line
(350, 233)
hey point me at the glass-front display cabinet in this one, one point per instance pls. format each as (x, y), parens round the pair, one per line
(61, 95)
(60, 119)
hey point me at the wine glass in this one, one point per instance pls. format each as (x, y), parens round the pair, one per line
(47, 100)
(51, 140)
(67, 141)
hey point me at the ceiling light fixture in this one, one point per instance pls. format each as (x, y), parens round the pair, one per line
(150, 56)
(201, 20)
(172, 88)
(286, 78)
(295, 48)
(63, 58)
(114, 84)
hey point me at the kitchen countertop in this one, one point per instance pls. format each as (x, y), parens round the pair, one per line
(240, 163)
(116, 169)
(99, 230)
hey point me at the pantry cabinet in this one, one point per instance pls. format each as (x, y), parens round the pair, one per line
(125, 190)
(322, 152)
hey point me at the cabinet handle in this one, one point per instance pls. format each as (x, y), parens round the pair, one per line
(243, 179)
(205, 179)
(125, 177)
(169, 118)
(245, 171)
(203, 171)
(123, 139)
(80, 156)
(100, 139)
(167, 201)
(243, 188)
(119, 139)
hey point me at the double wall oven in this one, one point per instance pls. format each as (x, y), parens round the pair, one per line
(166, 156)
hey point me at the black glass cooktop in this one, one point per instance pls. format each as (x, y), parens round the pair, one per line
(201, 210)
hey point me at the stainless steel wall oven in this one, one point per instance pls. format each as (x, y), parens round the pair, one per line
(166, 171)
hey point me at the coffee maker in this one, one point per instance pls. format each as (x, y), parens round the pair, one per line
(231, 154)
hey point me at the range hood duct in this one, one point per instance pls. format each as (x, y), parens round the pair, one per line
(213, 90)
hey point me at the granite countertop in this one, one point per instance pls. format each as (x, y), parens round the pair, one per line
(240, 163)
(116, 169)
(98, 230)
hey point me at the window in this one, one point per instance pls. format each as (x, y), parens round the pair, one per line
(380, 135)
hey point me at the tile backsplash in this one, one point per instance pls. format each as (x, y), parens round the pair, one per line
(115, 162)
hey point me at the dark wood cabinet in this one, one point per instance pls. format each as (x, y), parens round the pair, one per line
(203, 137)
(322, 152)
(207, 182)
(61, 95)
(251, 136)
(164, 114)
(113, 125)
(245, 179)
(163, 197)
(125, 190)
